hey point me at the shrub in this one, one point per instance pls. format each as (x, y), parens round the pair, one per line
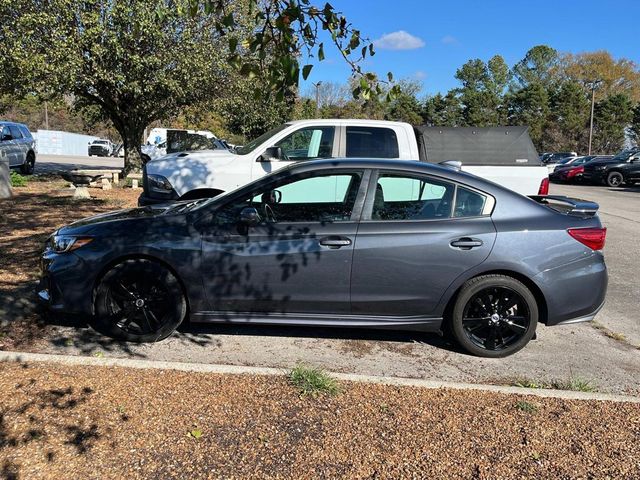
(17, 180)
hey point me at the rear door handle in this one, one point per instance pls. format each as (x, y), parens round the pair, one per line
(466, 243)
(335, 242)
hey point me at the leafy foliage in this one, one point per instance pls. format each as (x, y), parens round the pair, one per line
(17, 180)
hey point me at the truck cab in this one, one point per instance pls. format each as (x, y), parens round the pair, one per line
(197, 174)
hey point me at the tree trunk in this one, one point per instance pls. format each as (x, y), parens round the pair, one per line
(131, 139)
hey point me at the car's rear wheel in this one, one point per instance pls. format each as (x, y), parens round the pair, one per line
(494, 316)
(29, 165)
(139, 301)
(614, 179)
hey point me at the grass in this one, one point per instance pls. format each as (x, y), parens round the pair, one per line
(17, 180)
(313, 381)
(574, 384)
(526, 407)
(607, 332)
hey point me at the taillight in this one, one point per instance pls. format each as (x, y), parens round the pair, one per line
(544, 186)
(591, 237)
(575, 171)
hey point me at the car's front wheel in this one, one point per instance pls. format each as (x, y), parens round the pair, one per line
(139, 301)
(614, 179)
(29, 165)
(494, 316)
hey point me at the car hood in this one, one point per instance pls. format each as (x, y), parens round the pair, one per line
(114, 221)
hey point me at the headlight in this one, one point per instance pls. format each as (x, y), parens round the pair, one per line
(67, 243)
(159, 184)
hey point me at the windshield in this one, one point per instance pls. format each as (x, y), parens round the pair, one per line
(253, 144)
(625, 154)
(101, 141)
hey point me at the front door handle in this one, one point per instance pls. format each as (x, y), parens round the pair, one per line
(335, 242)
(466, 243)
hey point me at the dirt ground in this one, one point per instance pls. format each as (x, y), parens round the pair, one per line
(106, 422)
(27, 219)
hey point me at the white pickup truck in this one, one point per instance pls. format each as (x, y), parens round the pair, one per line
(504, 155)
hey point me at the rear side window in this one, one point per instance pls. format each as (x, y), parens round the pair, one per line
(25, 132)
(372, 142)
(403, 197)
(15, 133)
(469, 203)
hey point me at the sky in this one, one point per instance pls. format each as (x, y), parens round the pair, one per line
(429, 40)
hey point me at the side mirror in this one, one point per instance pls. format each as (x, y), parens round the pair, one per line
(249, 216)
(6, 137)
(271, 154)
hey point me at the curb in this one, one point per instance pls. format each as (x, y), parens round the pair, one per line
(76, 360)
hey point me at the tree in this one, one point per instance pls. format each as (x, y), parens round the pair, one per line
(611, 118)
(143, 61)
(616, 76)
(482, 90)
(530, 106)
(442, 111)
(568, 123)
(540, 65)
(635, 124)
(405, 106)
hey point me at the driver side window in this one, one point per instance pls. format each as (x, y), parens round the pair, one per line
(308, 199)
(308, 143)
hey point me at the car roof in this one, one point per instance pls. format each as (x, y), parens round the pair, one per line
(7, 122)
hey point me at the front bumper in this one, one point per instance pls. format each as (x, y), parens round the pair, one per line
(66, 283)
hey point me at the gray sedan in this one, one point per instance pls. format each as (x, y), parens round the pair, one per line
(339, 243)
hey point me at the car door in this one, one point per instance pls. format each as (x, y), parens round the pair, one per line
(417, 235)
(20, 148)
(633, 170)
(307, 143)
(296, 258)
(7, 146)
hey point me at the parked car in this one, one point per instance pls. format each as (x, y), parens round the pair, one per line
(177, 140)
(101, 148)
(613, 172)
(557, 157)
(351, 243)
(571, 168)
(505, 155)
(18, 145)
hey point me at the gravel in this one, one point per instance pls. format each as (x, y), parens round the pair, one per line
(109, 422)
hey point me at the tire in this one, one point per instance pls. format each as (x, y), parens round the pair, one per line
(614, 179)
(29, 165)
(139, 301)
(494, 316)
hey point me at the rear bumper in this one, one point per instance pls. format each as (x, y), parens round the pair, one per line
(574, 292)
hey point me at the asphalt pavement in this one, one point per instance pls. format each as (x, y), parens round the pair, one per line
(58, 163)
(611, 362)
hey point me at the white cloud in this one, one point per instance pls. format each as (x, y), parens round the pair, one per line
(420, 75)
(399, 40)
(449, 40)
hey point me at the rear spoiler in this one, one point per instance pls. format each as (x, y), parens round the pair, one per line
(570, 206)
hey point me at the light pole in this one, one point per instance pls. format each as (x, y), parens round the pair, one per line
(317, 85)
(594, 84)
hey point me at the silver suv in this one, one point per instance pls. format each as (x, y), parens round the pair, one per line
(17, 144)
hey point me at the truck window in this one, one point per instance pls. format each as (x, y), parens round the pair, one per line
(308, 143)
(372, 142)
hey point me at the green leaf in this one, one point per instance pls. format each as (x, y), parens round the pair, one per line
(233, 44)
(321, 52)
(195, 433)
(390, 76)
(306, 70)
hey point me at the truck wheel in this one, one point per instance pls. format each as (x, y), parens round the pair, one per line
(494, 316)
(615, 179)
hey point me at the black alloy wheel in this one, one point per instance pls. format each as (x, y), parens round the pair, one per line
(494, 316)
(140, 301)
(615, 179)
